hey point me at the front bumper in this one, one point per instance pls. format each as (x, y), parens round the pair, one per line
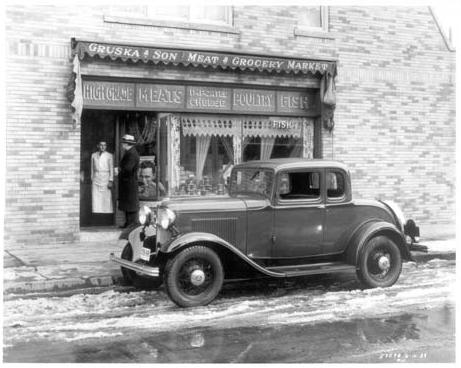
(139, 268)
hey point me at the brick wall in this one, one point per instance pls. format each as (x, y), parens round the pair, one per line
(395, 120)
(396, 114)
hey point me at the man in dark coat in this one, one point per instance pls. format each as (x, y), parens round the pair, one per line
(128, 199)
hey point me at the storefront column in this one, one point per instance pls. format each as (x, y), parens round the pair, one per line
(237, 143)
(173, 151)
(308, 138)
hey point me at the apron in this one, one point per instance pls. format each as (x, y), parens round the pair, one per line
(101, 173)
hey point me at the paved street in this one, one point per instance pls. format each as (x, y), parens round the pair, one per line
(328, 319)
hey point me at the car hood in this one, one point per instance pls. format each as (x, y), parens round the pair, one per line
(215, 204)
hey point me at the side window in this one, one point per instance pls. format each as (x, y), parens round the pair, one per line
(299, 185)
(335, 184)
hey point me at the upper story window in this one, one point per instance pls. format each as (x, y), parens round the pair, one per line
(312, 20)
(311, 16)
(172, 15)
(192, 13)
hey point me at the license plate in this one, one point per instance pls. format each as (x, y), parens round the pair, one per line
(145, 254)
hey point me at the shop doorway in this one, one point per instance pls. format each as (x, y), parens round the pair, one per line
(97, 125)
(110, 125)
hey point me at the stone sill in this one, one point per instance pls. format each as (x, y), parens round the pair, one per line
(170, 24)
(313, 33)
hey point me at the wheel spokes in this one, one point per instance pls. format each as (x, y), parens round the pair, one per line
(190, 276)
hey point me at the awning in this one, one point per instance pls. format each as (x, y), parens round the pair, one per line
(198, 58)
(206, 59)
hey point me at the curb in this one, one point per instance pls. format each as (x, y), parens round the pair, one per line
(26, 287)
(82, 284)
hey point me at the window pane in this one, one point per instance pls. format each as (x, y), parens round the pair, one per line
(205, 165)
(335, 185)
(251, 181)
(299, 185)
(311, 16)
(215, 14)
(265, 148)
(172, 12)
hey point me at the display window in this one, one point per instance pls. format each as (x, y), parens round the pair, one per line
(209, 146)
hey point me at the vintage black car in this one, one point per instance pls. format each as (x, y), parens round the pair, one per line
(282, 218)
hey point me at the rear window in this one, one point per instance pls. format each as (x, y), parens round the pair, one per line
(335, 184)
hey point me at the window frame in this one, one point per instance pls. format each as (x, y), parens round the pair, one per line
(317, 32)
(296, 202)
(172, 22)
(266, 170)
(344, 195)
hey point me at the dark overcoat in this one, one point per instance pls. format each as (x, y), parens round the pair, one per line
(128, 199)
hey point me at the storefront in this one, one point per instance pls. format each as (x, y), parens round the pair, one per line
(193, 132)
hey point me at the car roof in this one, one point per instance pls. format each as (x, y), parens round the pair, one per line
(292, 163)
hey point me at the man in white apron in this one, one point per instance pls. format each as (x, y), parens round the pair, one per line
(102, 177)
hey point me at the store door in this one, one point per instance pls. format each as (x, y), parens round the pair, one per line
(97, 125)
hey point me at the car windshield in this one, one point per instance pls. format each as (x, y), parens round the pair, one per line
(251, 181)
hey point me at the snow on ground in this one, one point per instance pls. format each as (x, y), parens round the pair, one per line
(440, 245)
(421, 286)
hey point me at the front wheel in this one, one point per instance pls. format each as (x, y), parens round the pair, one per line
(194, 276)
(380, 262)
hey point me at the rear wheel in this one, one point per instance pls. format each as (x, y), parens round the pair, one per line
(380, 262)
(130, 277)
(194, 276)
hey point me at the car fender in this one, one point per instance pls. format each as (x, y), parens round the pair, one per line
(132, 235)
(369, 229)
(184, 240)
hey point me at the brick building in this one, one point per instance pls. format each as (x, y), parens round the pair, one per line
(205, 87)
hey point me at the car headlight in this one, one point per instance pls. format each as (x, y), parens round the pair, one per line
(165, 218)
(144, 216)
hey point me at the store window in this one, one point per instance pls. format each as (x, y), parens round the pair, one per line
(210, 145)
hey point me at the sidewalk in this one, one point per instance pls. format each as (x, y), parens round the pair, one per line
(85, 265)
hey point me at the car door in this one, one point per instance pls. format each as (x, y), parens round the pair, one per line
(299, 212)
(340, 213)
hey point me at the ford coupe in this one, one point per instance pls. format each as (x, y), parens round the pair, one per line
(281, 218)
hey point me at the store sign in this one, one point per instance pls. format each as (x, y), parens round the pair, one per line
(108, 94)
(284, 123)
(167, 97)
(208, 98)
(160, 96)
(202, 58)
(252, 100)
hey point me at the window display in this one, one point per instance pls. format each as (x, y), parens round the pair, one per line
(210, 145)
(196, 153)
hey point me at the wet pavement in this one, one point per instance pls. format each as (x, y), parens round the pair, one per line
(327, 319)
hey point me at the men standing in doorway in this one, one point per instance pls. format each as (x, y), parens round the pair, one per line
(128, 180)
(102, 177)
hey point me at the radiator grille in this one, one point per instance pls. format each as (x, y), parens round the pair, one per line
(225, 228)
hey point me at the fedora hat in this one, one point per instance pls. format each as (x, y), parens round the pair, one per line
(128, 138)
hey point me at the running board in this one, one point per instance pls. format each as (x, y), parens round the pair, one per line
(312, 269)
